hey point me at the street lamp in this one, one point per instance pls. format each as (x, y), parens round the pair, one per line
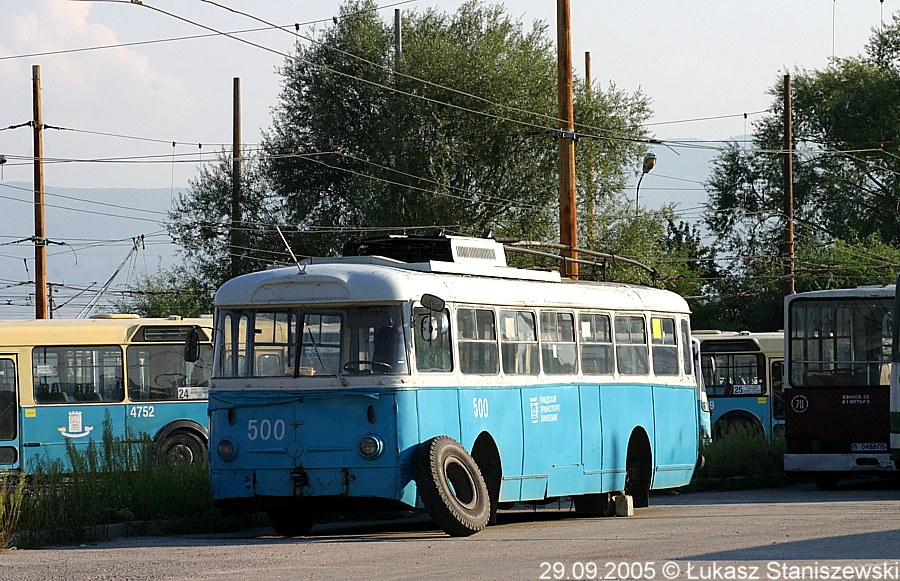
(649, 162)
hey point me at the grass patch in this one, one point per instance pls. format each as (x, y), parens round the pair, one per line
(75, 500)
(741, 458)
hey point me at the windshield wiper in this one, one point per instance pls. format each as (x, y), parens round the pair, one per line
(322, 360)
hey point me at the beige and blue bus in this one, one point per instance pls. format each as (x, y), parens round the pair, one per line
(743, 372)
(60, 380)
(426, 373)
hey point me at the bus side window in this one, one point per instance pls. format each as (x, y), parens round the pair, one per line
(432, 340)
(596, 344)
(665, 351)
(558, 343)
(79, 374)
(631, 345)
(518, 341)
(477, 341)
(686, 352)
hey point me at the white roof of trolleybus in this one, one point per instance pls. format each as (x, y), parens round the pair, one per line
(874, 291)
(771, 342)
(94, 331)
(374, 279)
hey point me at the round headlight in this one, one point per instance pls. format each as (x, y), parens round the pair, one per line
(371, 447)
(227, 450)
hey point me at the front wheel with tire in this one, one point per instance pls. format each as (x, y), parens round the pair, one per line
(292, 522)
(182, 448)
(451, 487)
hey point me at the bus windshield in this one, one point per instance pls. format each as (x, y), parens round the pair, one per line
(313, 342)
(840, 343)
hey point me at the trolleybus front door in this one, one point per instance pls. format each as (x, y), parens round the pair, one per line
(9, 413)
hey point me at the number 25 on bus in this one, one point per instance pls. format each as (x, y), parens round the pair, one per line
(459, 385)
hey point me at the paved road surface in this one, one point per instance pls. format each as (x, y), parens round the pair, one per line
(760, 534)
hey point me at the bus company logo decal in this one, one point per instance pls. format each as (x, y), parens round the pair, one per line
(76, 427)
(799, 403)
(544, 409)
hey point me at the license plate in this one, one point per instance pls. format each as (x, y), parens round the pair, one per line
(879, 447)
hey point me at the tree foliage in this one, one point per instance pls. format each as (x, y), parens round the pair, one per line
(174, 291)
(846, 186)
(456, 135)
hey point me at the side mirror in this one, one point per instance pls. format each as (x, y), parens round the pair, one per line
(433, 303)
(192, 346)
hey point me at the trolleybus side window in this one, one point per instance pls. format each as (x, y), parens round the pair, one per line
(558, 343)
(665, 350)
(518, 342)
(596, 344)
(477, 341)
(631, 345)
(432, 339)
(687, 356)
(160, 373)
(735, 374)
(8, 416)
(77, 374)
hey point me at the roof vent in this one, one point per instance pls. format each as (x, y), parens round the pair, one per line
(417, 249)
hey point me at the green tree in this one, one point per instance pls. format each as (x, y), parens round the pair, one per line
(174, 291)
(846, 127)
(458, 135)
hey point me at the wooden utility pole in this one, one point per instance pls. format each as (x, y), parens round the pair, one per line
(591, 188)
(568, 205)
(40, 235)
(789, 283)
(236, 196)
(398, 37)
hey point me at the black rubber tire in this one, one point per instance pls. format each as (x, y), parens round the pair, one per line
(826, 481)
(592, 505)
(451, 487)
(292, 522)
(637, 474)
(182, 447)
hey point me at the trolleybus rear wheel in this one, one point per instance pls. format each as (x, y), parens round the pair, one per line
(292, 522)
(826, 481)
(451, 487)
(637, 472)
(592, 504)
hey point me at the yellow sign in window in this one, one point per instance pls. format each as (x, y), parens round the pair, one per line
(656, 328)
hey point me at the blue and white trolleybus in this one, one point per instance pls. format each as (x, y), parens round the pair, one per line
(444, 380)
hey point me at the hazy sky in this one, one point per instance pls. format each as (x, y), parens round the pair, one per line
(694, 59)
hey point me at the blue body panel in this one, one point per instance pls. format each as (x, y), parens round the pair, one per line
(45, 429)
(757, 408)
(553, 440)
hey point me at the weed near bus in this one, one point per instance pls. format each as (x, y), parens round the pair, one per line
(741, 458)
(110, 482)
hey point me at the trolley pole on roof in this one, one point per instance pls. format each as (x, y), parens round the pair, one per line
(40, 235)
(568, 205)
(789, 283)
